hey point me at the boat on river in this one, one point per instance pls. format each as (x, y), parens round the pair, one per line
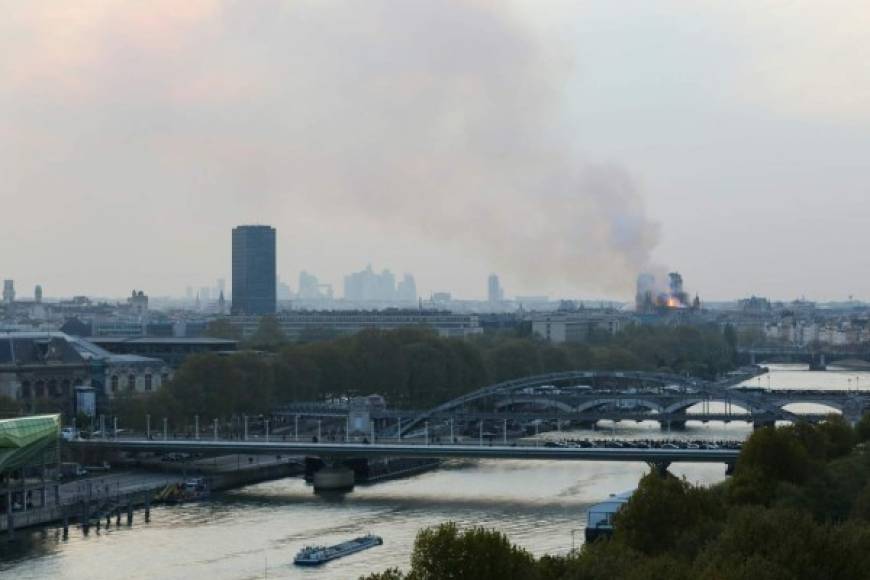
(317, 555)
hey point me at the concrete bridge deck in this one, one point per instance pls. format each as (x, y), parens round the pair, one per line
(440, 451)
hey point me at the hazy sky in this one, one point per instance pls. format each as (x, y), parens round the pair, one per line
(564, 145)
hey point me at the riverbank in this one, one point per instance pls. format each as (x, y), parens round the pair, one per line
(136, 484)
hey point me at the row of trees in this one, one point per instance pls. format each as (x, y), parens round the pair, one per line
(798, 507)
(411, 367)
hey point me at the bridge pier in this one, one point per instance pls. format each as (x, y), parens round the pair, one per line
(762, 423)
(673, 426)
(335, 477)
(818, 363)
(659, 467)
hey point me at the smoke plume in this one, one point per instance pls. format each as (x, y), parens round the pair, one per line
(443, 121)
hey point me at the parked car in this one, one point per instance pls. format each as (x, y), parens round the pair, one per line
(69, 433)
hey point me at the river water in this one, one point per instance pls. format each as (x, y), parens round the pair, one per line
(254, 532)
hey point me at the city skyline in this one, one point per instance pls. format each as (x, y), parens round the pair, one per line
(744, 168)
(443, 289)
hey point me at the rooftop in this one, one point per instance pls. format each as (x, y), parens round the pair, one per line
(37, 348)
(161, 340)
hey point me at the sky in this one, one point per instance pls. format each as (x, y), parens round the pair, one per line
(566, 146)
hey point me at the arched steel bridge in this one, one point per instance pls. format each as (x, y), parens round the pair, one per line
(587, 396)
(508, 389)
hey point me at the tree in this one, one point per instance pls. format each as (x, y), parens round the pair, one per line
(268, 336)
(428, 373)
(839, 436)
(730, 336)
(130, 410)
(475, 554)
(664, 510)
(389, 574)
(776, 454)
(9, 407)
(336, 375)
(862, 429)
(512, 359)
(378, 363)
(776, 544)
(297, 377)
(222, 328)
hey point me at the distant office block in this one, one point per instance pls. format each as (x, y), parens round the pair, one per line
(8, 291)
(254, 277)
(495, 293)
(407, 289)
(367, 285)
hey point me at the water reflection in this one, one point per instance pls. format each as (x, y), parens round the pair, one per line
(244, 533)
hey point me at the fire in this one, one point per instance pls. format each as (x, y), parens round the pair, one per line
(673, 302)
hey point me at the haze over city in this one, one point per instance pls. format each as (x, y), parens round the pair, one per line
(567, 146)
(434, 289)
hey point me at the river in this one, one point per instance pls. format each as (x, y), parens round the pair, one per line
(254, 532)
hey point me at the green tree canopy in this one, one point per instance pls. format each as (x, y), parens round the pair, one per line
(222, 328)
(268, 335)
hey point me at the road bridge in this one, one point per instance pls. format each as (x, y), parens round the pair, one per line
(333, 454)
(818, 357)
(438, 451)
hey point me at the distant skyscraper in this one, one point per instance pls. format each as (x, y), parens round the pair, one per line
(254, 277)
(495, 293)
(407, 289)
(282, 290)
(37, 294)
(308, 286)
(367, 285)
(8, 291)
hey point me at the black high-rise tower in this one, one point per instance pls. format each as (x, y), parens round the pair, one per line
(254, 270)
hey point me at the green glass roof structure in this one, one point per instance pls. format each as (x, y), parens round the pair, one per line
(22, 440)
